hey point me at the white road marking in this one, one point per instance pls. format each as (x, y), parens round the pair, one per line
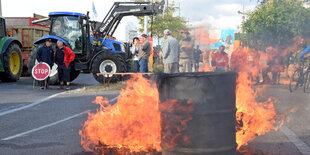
(51, 124)
(29, 105)
(113, 99)
(45, 126)
(12, 107)
(301, 146)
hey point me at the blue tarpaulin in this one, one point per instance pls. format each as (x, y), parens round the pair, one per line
(215, 46)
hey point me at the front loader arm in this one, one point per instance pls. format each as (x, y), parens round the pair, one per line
(122, 9)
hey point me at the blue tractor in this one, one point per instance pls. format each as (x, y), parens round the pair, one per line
(95, 53)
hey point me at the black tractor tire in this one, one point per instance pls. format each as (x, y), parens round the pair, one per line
(109, 63)
(74, 73)
(12, 63)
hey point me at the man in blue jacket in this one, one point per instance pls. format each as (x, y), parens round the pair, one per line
(46, 54)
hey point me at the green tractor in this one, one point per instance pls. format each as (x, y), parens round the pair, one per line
(10, 56)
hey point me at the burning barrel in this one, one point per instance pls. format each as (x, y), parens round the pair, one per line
(209, 128)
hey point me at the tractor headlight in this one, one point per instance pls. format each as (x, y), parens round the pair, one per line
(123, 48)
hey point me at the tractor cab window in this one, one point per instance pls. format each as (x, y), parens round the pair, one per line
(68, 28)
(2, 27)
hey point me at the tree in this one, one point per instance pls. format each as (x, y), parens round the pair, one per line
(167, 21)
(275, 22)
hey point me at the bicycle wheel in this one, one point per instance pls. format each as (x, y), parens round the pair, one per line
(307, 83)
(294, 82)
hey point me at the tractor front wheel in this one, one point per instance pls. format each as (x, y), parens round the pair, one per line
(108, 62)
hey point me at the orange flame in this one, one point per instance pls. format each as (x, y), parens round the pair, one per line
(132, 123)
(253, 118)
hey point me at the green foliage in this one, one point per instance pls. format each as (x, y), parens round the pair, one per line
(275, 23)
(167, 21)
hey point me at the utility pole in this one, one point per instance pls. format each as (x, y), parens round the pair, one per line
(146, 24)
(179, 9)
(0, 9)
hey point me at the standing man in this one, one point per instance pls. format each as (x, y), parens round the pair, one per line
(46, 54)
(135, 52)
(144, 54)
(63, 58)
(220, 60)
(197, 54)
(171, 52)
(186, 53)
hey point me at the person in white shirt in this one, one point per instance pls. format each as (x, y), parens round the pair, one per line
(135, 51)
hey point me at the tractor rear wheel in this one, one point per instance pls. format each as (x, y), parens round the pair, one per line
(12, 63)
(108, 62)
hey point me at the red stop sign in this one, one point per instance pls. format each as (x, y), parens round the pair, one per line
(41, 71)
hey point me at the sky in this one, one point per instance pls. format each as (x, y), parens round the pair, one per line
(215, 14)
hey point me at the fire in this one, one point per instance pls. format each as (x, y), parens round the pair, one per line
(253, 118)
(132, 123)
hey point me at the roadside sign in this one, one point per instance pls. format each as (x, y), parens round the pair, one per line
(41, 71)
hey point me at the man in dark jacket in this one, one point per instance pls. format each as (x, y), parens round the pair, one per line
(46, 54)
(63, 58)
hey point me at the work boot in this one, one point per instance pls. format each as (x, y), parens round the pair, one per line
(61, 87)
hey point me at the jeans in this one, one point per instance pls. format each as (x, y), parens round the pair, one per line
(136, 66)
(143, 66)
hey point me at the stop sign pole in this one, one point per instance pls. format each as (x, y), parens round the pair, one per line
(41, 71)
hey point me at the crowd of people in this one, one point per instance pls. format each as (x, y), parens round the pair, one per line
(265, 66)
(181, 56)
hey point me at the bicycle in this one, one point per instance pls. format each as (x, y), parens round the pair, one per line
(300, 78)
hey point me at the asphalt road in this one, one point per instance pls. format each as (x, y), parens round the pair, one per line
(32, 124)
(35, 121)
(294, 136)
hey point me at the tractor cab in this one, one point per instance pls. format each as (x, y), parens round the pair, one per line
(2, 27)
(68, 26)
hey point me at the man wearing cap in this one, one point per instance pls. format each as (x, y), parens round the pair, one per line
(186, 53)
(144, 54)
(171, 52)
(45, 54)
